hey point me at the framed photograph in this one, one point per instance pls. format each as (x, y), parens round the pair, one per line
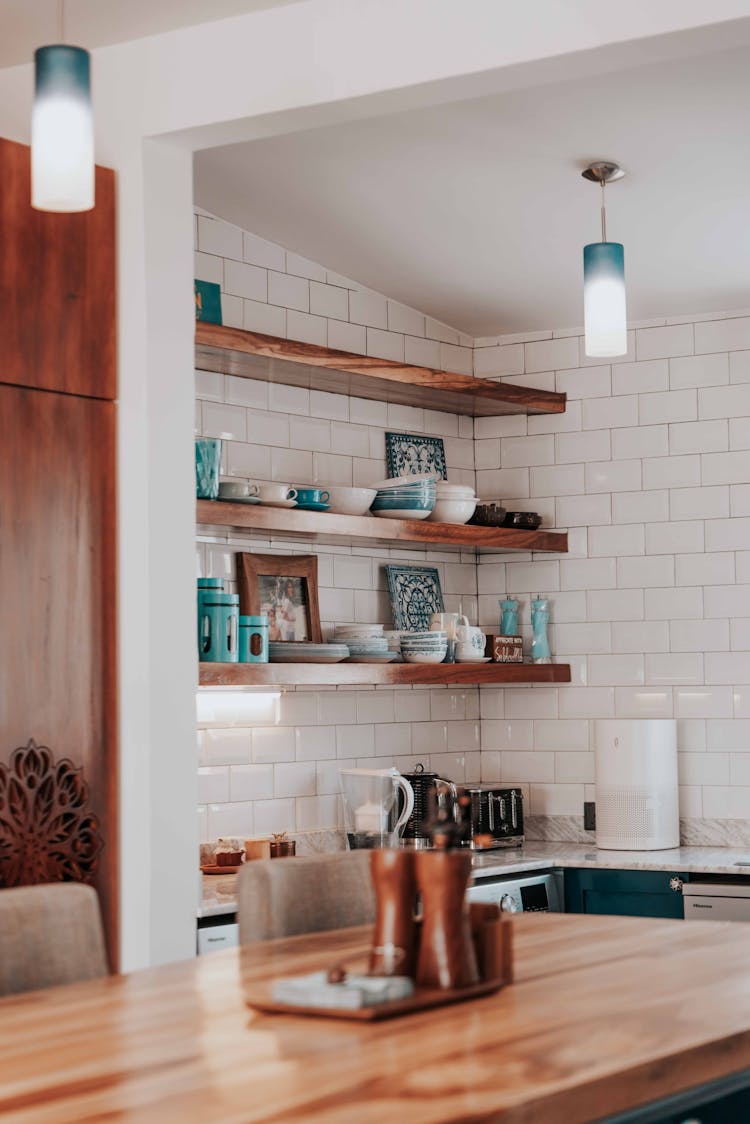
(285, 588)
(415, 595)
(411, 454)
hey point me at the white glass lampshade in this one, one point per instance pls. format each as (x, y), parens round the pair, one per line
(604, 312)
(62, 131)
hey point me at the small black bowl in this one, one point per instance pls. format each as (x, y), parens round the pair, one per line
(488, 515)
(526, 520)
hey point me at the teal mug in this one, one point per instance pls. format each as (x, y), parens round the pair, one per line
(312, 495)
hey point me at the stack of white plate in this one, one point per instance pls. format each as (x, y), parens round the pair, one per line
(304, 651)
(424, 647)
(366, 643)
(454, 503)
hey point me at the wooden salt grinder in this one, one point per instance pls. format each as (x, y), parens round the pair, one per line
(446, 951)
(394, 943)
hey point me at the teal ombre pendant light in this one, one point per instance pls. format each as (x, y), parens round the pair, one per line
(604, 315)
(62, 128)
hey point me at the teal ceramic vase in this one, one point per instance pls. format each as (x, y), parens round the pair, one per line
(207, 467)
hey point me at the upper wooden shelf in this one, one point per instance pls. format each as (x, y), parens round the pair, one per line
(322, 525)
(251, 355)
(394, 674)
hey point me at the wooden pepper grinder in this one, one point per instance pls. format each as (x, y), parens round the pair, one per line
(394, 950)
(446, 951)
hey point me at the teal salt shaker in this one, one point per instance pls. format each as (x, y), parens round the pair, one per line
(220, 627)
(540, 652)
(206, 588)
(509, 617)
(253, 639)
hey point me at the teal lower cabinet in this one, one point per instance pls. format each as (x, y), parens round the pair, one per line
(625, 893)
(721, 1102)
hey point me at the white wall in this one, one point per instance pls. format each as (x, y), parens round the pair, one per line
(649, 469)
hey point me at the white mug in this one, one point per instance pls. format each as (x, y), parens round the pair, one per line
(237, 489)
(448, 623)
(471, 641)
(276, 493)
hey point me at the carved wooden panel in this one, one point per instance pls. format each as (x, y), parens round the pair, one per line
(48, 832)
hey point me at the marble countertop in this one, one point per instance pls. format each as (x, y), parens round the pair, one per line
(219, 891)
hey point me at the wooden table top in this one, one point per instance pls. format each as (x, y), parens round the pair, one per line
(605, 1014)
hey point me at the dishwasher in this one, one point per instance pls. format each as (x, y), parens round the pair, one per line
(717, 899)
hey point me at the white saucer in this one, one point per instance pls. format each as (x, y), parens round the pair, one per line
(279, 503)
(473, 659)
(239, 499)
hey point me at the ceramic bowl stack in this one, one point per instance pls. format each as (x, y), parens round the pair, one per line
(454, 503)
(405, 497)
(366, 643)
(424, 647)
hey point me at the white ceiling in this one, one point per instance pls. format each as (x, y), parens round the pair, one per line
(476, 213)
(27, 24)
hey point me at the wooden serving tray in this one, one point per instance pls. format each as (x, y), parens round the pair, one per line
(421, 1000)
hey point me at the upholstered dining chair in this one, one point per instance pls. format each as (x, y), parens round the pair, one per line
(49, 935)
(285, 897)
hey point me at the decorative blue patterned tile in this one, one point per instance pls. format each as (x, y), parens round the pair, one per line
(415, 595)
(409, 454)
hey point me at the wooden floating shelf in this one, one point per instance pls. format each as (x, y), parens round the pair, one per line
(314, 524)
(250, 355)
(394, 674)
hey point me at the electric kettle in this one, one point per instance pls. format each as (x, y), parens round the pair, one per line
(430, 791)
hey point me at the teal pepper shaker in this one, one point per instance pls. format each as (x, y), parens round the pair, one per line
(540, 652)
(509, 617)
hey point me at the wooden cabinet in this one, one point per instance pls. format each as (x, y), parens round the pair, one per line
(623, 893)
(58, 683)
(57, 286)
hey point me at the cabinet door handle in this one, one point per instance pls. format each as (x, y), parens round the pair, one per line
(675, 884)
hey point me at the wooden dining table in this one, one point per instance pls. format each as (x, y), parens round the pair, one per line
(605, 1014)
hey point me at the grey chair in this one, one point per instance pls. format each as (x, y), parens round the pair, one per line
(285, 897)
(49, 935)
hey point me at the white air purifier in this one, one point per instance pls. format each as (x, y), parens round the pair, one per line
(637, 794)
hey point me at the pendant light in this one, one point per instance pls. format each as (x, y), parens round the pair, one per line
(604, 315)
(62, 127)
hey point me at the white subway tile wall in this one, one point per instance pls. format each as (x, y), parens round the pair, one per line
(651, 478)
(648, 469)
(285, 777)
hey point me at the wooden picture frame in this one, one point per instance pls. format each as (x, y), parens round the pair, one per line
(301, 570)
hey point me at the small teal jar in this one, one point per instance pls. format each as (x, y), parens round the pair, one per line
(206, 587)
(219, 630)
(253, 646)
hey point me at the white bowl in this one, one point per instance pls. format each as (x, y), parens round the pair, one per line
(402, 513)
(350, 501)
(453, 510)
(424, 657)
(458, 491)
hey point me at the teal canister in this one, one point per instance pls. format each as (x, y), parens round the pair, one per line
(206, 587)
(219, 635)
(254, 639)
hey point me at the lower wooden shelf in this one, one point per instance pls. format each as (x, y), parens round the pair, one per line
(350, 674)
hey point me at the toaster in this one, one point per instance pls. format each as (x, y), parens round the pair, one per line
(496, 816)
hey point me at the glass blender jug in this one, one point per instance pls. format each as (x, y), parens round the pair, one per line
(371, 816)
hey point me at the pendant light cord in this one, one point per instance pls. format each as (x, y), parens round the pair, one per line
(604, 210)
(61, 21)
